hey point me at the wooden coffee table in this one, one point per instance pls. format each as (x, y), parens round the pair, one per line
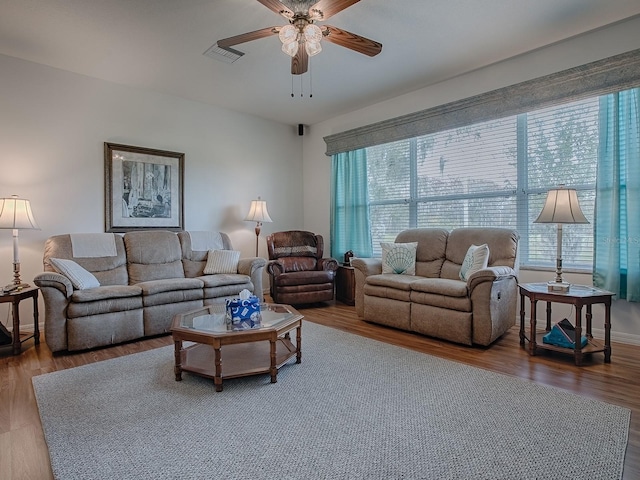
(246, 352)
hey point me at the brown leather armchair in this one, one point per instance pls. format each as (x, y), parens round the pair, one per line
(298, 273)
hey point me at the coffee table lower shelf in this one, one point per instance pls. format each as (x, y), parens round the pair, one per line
(238, 360)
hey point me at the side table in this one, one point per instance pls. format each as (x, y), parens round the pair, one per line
(579, 296)
(15, 298)
(346, 285)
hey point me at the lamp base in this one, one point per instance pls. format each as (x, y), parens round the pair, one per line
(558, 287)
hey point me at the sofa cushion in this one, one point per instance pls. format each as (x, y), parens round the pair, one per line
(171, 291)
(80, 278)
(108, 270)
(390, 280)
(503, 248)
(154, 287)
(430, 254)
(223, 279)
(389, 285)
(399, 258)
(103, 307)
(107, 292)
(153, 255)
(222, 261)
(441, 286)
(195, 249)
(476, 259)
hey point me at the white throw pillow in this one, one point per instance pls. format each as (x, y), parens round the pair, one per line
(399, 258)
(477, 258)
(222, 261)
(80, 278)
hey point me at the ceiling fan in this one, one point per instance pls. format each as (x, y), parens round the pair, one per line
(302, 36)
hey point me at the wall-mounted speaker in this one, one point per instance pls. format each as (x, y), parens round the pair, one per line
(300, 129)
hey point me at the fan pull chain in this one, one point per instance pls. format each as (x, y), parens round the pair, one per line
(302, 85)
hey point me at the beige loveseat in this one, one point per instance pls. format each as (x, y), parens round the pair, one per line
(145, 278)
(435, 301)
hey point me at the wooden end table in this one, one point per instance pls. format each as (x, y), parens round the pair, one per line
(15, 298)
(246, 352)
(579, 296)
(346, 285)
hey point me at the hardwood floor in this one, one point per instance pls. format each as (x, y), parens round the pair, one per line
(24, 455)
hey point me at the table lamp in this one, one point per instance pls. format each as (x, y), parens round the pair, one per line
(15, 214)
(561, 207)
(258, 213)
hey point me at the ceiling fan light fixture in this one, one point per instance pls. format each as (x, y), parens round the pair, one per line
(312, 33)
(288, 34)
(290, 48)
(312, 48)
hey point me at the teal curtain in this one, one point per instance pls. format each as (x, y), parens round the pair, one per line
(350, 226)
(617, 209)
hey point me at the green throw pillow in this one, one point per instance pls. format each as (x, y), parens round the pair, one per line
(399, 258)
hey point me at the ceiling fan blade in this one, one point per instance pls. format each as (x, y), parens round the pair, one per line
(278, 7)
(247, 37)
(300, 63)
(324, 9)
(351, 40)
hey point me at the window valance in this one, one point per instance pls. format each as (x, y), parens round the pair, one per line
(609, 75)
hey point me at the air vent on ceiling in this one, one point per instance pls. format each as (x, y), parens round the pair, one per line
(227, 54)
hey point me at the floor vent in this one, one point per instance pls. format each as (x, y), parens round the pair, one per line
(227, 54)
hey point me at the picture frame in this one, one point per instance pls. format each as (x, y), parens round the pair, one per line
(143, 188)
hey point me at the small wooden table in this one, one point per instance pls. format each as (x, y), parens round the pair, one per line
(15, 298)
(247, 352)
(346, 285)
(578, 296)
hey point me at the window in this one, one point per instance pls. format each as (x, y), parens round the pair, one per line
(494, 173)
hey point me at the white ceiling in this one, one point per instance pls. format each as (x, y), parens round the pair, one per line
(159, 45)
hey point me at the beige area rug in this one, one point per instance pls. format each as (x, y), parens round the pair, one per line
(353, 409)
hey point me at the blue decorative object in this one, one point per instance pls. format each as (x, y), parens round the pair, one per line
(243, 313)
(563, 334)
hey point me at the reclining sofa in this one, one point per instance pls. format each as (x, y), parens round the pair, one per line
(145, 278)
(435, 301)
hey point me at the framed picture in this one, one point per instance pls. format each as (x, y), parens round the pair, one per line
(143, 188)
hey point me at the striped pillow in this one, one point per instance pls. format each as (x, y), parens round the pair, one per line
(80, 278)
(222, 261)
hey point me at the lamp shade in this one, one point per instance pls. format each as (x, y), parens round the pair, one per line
(561, 206)
(15, 214)
(258, 212)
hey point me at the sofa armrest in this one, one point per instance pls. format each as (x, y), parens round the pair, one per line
(56, 292)
(368, 266)
(328, 264)
(54, 280)
(490, 274)
(494, 297)
(254, 267)
(362, 268)
(275, 268)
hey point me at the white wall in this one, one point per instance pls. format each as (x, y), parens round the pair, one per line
(53, 125)
(606, 42)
